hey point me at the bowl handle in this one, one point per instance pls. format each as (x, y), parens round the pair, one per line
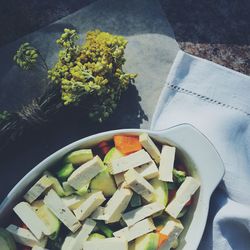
(196, 145)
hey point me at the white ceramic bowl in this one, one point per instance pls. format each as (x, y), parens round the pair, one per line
(195, 150)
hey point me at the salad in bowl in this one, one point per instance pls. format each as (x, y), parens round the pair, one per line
(126, 190)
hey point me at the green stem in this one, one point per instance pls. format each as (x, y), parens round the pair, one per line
(43, 60)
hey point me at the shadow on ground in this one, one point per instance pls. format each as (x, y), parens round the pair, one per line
(215, 21)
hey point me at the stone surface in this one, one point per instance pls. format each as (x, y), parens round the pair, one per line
(217, 30)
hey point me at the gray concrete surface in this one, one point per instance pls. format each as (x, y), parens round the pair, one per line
(150, 53)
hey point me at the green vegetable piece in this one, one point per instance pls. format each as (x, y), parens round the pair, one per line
(96, 236)
(55, 184)
(147, 242)
(104, 182)
(48, 218)
(105, 229)
(112, 154)
(136, 200)
(65, 172)
(82, 191)
(6, 240)
(79, 157)
(179, 176)
(161, 191)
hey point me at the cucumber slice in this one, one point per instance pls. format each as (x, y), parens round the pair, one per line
(112, 154)
(161, 191)
(147, 242)
(47, 217)
(105, 229)
(104, 182)
(65, 172)
(96, 236)
(6, 240)
(82, 191)
(79, 157)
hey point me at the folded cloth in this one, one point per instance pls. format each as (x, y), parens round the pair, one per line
(216, 100)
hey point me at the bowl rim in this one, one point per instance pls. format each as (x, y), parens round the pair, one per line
(34, 173)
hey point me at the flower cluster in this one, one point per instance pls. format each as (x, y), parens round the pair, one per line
(26, 56)
(91, 75)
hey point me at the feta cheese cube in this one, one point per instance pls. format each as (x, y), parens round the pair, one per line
(25, 212)
(89, 205)
(172, 229)
(83, 175)
(99, 214)
(139, 184)
(130, 161)
(61, 211)
(73, 201)
(77, 240)
(150, 147)
(38, 188)
(141, 213)
(117, 204)
(167, 163)
(148, 171)
(25, 237)
(183, 195)
(135, 231)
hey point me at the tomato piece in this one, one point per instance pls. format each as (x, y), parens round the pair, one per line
(104, 147)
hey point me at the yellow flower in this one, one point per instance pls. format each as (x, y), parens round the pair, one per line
(92, 74)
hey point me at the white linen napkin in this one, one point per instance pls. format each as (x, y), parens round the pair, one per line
(216, 100)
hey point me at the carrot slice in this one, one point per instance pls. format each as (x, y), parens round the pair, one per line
(127, 144)
(162, 239)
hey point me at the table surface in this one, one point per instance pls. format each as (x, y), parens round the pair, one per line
(215, 30)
